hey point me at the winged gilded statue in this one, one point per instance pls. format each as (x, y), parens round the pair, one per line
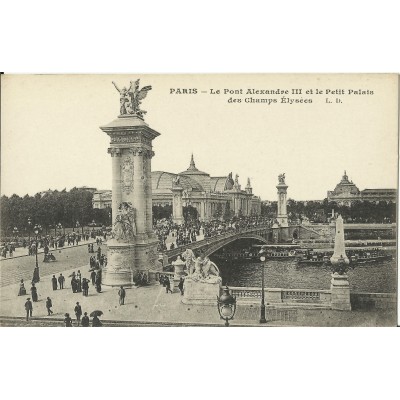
(131, 99)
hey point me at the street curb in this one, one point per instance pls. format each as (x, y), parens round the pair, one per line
(120, 324)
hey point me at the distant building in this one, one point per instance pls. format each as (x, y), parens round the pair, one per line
(209, 195)
(346, 193)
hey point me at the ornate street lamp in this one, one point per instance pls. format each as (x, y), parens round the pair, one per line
(37, 229)
(262, 259)
(29, 229)
(78, 226)
(15, 232)
(226, 306)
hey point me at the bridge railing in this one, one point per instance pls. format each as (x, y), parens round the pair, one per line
(278, 295)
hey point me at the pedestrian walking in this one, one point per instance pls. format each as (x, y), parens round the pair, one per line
(85, 287)
(93, 277)
(54, 282)
(28, 308)
(22, 290)
(167, 285)
(78, 312)
(49, 304)
(68, 320)
(121, 293)
(78, 281)
(85, 320)
(61, 281)
(180, 285)
(74, 285)
(34, 293)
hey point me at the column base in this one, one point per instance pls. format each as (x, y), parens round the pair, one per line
(340, 292)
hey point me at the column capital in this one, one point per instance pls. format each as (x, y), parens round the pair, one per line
(114, 151)
(142, 152)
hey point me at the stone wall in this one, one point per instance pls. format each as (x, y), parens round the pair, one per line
(369, 301)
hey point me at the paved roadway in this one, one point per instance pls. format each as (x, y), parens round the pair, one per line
(12, 270)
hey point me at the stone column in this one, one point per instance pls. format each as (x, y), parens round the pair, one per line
(282, 211)
(131, 252)
(149, 194)
(339, 254)
(340, 287)
(177, 208)
(139, 197)
(116, 180)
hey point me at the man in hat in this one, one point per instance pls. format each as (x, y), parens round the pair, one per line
(28, 308)
(49, 304)
(85, 320)
(121, 293)
(78, 312)
(61, 281)
(54, 282)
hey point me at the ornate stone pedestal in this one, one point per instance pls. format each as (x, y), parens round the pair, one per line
(201, 293)
(340, 292)
(119, 270)
(282, 217)
(132, 255)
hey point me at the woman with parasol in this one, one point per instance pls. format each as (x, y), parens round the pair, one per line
(95, 321)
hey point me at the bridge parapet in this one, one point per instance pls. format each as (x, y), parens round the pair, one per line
(259, 231)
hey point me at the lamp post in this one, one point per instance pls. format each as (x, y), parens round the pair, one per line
(262, 259)
(37, 229)
(15, 232)
(226, 306)
(29, 229)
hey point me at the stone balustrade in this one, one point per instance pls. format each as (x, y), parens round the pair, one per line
(280, 296)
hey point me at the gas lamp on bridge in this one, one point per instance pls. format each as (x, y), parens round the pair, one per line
(226, 306)
(263, 254)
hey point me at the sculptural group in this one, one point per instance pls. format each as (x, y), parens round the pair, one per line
(130, 99)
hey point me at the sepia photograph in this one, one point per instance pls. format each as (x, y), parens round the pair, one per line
(199, 200)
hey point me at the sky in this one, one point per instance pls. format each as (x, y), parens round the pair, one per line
(51, 137)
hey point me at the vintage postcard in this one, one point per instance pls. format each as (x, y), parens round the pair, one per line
(199, 200)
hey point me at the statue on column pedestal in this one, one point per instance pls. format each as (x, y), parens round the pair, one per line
(124, 228)
(130, 99)
(281, 178)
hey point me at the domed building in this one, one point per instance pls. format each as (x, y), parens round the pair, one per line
(346, 192)
(211, 196)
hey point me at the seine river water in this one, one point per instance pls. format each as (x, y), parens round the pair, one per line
(380, 277)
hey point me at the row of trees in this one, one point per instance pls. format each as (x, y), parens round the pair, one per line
(359, 211)
(70, 207)
(64, 207)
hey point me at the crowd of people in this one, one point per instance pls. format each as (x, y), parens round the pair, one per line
(189, 232)
(78, 284)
